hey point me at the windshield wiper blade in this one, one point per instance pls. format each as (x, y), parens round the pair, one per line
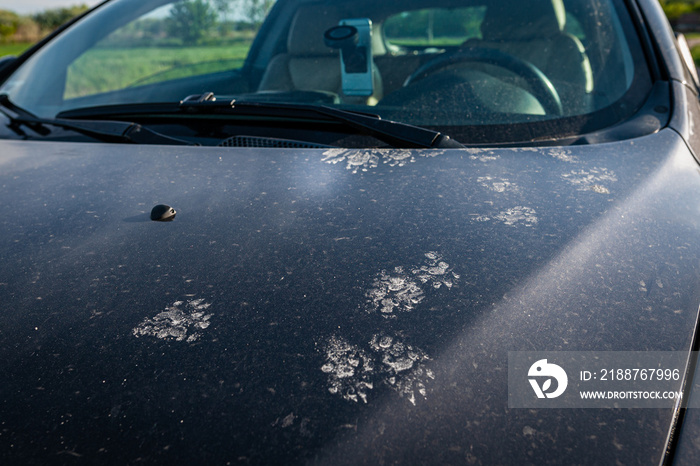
(106, 131)
(392, 132)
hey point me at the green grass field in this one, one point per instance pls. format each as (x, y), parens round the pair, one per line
(13, 49)
(102, 70)
(694, 38)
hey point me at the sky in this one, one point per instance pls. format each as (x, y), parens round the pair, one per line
(25, 7)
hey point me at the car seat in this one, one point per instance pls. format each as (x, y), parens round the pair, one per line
(308, 65)
(534, 30)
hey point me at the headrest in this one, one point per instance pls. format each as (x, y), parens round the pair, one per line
(311, 21)
(523, 19)
(307, 28)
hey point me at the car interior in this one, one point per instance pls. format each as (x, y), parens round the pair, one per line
(533, 32)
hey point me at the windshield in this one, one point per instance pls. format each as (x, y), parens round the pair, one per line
(504, 67)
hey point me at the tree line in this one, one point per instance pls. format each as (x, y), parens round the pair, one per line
(30, 28)
(188, 22)
(674, 9)
(191, 21)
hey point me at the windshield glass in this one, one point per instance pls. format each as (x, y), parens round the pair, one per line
(505, 66)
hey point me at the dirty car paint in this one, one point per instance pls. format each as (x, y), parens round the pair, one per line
(333, 306)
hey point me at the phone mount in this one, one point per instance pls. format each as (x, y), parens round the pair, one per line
(353, 37)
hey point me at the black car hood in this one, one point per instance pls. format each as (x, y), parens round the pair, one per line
(339, 306)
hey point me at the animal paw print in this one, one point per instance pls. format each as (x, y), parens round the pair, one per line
(403, 366)
(352, 371)
(180, 322)
(349, 370)
(401, 291)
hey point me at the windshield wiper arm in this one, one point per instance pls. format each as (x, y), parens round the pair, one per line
(392, 132)
(396, 134)
(107, 131)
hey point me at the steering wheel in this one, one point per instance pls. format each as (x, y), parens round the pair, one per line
(540, 85)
